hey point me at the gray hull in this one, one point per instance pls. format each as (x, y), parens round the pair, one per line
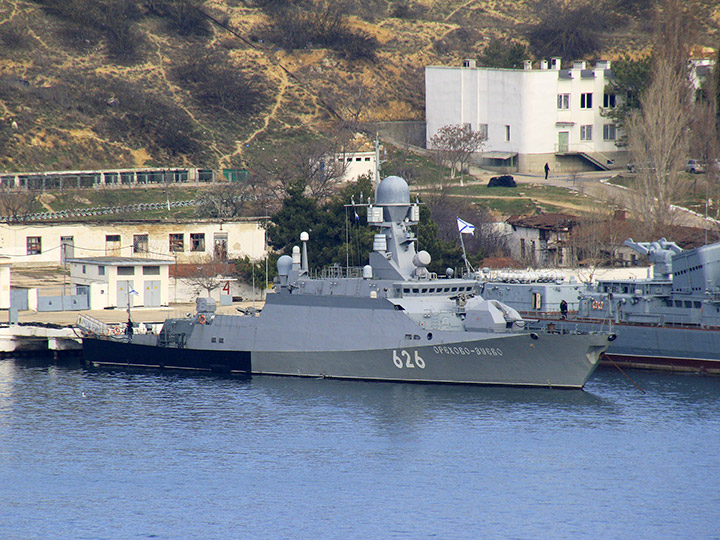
(657, 347)
(515, 360)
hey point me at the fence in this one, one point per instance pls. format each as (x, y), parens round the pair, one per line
(41, 181)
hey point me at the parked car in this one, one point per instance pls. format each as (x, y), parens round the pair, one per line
(695, 166)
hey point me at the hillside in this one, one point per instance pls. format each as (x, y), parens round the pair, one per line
(121, 83)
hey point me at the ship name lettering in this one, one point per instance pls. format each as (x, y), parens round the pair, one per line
(478, 351)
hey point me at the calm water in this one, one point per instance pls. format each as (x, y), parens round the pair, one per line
(101, 454)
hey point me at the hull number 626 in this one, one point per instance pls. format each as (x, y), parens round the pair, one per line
(405, 360)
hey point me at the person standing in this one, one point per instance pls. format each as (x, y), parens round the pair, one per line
(563, 309)
(547, 171)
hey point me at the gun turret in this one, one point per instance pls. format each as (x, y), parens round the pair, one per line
(659, 253)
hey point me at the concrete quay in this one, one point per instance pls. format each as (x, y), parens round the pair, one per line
(56, 332)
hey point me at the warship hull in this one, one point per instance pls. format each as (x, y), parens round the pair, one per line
(518, 360)
(671, 348)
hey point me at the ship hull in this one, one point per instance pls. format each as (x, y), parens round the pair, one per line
(657, 347)
(112, 353)
(515, 360)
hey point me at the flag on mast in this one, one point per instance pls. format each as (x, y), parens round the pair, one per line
(464, 227)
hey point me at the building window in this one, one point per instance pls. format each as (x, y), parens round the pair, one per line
(112, 245)
(586, 133)
(609, 132)
(151, 270)
(84, 269)
(197, 241)
(483, 130)
(177, 242)
(609, 101)
(101, 270)
(586, 101)
(467, 127)
(507, 133)
(34, 245)
(140, 243)
(126, 271)
(221, 245)
(563, 101)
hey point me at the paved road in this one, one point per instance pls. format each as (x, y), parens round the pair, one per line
(595, 185)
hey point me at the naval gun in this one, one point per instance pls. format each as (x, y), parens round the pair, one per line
(659, 253)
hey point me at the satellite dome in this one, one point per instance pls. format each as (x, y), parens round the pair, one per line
(284, 265)
(392, 190)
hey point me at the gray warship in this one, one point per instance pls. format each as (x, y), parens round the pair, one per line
(669, 321)
(391, 320)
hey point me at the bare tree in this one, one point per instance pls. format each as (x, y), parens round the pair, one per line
(207, 275)
(15, 204)
(223, 200)
(704, 135)
(317, 166)
(455, 144)
(657, 133)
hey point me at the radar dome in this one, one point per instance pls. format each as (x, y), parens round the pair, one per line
(392, 190)
(422, 258)
(284, 265)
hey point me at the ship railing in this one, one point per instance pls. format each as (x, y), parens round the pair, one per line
(91, 325)
(337, 271)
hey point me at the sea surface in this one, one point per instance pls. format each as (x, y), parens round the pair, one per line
(92, 454)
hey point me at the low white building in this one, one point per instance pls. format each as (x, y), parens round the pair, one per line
(358, 164)
(532, 116)
(4, 283)
(119, 282)
(191, 241)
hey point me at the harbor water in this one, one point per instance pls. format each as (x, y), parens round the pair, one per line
(87, 454)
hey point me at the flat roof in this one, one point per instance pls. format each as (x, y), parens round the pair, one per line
(119, 261)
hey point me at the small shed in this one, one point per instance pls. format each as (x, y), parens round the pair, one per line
(121, 282)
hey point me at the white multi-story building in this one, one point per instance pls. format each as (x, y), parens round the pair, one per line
(530, 116)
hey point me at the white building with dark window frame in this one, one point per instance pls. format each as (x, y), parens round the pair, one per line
(530, 116)
(121, 282)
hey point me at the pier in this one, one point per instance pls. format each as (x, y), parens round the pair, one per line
(58, 333)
